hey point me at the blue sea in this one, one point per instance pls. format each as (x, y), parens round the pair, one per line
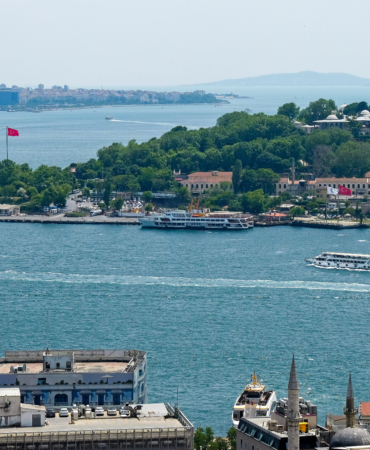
(209, 310)
(208, 307)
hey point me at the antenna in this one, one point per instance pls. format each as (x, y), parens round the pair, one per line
(47, 330)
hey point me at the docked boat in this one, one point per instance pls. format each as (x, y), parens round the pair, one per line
(254, 401)
(198, 219)
(341, 261)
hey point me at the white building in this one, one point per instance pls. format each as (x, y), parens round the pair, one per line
(15, 414)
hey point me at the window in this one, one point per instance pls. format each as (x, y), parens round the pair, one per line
(201, 186)
(353, 186)
(206, 186)
(23, 398)
(334, 185)
(116, 399)
(192, 186)
(241, 443)
(348, 185)
(68, 365)
(85, 399)
(320, 185)
(58, 365)
(280, 186)
(329, 184)
(41, 381)
(100, 399)
(61, 399)
(212, 185)
(284, 186)
(47, 365)
(358, 186)
(363, 186)
(324, 184)
(196, 186)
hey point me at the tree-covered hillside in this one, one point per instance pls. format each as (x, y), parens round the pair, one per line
(257, 147)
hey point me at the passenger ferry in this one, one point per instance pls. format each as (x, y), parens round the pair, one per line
(198, 219)
(341, 261)
(254, 401)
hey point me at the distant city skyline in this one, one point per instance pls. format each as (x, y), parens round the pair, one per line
(165, 43)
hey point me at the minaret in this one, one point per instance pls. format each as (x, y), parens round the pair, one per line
(350, 411)
(293, 416)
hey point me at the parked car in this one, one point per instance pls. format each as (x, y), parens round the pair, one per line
(124, 413)
(99, 411)
(50, 412)
(112, 411)
(63, 412)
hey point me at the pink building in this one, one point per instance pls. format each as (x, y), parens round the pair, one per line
(201, 181)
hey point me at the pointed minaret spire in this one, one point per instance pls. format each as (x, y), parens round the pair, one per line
(293, 416)
(293, 379)
(350, 410)
(350, 393)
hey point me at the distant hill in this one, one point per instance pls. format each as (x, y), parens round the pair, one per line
(307, 78)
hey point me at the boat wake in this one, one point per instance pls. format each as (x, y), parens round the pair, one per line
(51, 277)
(151, 123)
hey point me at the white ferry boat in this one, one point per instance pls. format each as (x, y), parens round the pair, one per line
(341, 261)
(254, 401)
(198, 219)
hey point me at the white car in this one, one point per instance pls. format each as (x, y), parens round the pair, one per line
(124, 413)
(63, 412)
(112, 411)
(99, 411)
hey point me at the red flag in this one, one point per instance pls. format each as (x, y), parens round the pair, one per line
(344, 191)
(12, 132)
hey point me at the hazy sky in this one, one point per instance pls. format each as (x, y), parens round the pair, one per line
(172, 42)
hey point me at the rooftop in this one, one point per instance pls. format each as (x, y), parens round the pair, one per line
(152, 415)
(90, 367)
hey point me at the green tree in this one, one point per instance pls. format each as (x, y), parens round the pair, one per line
(147, 196)
(22, 193)
(290, 110)
(350, 211)
(297, 211)
(352, 159)
(231, 437)
(117, 204)
(107, 192)
(203, 437)
(149, 207)
(254, 202)
(86, 192)
(354, 126)
(317, 110)
(237, 173)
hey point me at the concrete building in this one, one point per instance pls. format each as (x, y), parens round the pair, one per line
(198, 182)
(293, 424)
(8, 97)
(15, 414)
(60, 378)
(9, 210)
(294, 187)
(154, 426)
(40, 87)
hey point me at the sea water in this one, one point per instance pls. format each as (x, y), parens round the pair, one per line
(65, 136)
(210, 308)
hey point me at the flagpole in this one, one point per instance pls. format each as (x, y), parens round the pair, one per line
(6, 142)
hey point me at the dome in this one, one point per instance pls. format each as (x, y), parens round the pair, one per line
(341, 108)
(365, 112)
(332, 117)
(350, 437)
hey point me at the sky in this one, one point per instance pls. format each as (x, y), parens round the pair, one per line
(121, 43)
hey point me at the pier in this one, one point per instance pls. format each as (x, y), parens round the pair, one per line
(61, 219)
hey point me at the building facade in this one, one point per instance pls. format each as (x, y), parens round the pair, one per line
(199, 182)
(8, 97)
(59, 378)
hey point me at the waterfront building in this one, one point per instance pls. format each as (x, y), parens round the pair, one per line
(198, 182)
(294, 187)
(9, 210)
(153, 426)
(8, 97)
(293, 424)
(60, 378)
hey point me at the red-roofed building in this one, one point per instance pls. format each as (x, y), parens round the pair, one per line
(201, 181)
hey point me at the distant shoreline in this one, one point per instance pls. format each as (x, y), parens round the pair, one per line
(69, 108)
